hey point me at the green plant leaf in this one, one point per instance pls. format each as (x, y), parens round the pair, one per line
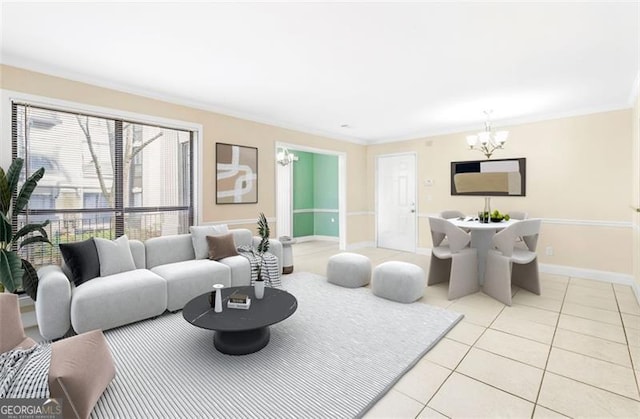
(30, 228)
(13, 174)
(29, 279)
(263, 231)
(5, 193)
(11, 271)
(6, 233)
(27, 190)
(33, 239)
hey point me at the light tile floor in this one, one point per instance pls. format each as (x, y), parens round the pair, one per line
(574, 351)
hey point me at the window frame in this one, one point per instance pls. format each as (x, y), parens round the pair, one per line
(8, 98)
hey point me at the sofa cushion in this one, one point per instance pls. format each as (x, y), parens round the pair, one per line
(82, 260)
(186, 280)
(168, 249)
(240, 270)
(115, 300)
(199, 237)
(221, 246)
(115, 255)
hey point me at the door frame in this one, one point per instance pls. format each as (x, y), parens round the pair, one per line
(376, 192)
(342, 186)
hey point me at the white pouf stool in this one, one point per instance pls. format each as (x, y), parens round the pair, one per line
(349, 270)
(398, 281)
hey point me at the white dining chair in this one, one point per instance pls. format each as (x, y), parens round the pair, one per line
(507, 263)
(452, 260)
(448, 214)
(518, 215)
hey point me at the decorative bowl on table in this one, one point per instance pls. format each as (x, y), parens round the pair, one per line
(496, 216)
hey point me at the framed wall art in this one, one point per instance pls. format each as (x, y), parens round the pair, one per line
(503, 177)
(236, 174)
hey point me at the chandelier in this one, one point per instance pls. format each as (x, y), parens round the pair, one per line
(488, 140)
(284, 157)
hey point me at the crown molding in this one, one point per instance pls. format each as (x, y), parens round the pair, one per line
(171, 99)
(54, 71)
(504, 123)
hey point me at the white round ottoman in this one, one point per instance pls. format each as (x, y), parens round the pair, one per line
(349, 270)
(398, 281)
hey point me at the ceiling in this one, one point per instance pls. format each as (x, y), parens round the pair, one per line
(388, 71)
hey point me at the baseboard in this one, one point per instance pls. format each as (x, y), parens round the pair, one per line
(603, 276)
(303, 239)
(595, 275)
(423, 250)
(360, 245)
(29, 319)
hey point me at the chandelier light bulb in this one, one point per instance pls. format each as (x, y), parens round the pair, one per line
(284, 157)
(487, 141)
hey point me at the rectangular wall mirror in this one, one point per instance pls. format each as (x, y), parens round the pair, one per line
(505, 177)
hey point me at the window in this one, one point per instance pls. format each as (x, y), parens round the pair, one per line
(104, 177)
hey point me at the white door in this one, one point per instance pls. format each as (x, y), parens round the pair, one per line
(396, 202)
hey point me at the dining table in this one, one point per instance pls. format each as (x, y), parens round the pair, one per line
(481, 235)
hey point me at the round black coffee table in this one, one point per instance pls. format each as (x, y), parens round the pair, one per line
(238, 331)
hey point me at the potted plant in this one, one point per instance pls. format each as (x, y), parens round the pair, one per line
(263, 247)
(15, 271)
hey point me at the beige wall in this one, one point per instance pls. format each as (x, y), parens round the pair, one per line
(216, 128)
(578, 172)
(635, 193)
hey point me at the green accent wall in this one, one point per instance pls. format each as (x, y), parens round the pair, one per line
(315, 187)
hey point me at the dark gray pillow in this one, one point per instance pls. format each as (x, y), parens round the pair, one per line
(82, 260)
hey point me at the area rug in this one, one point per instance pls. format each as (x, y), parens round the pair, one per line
(335, 357)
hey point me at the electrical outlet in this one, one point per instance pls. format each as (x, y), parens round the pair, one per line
(549, 250)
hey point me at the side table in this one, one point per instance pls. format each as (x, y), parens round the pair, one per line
(287, 254)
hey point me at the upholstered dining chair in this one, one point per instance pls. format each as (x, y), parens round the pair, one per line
(518, 215)
(447, 214)
(507, 263)
(452, 260)
(81, 366)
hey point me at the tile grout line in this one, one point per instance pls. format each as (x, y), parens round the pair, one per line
(544, 372)
(452, 371)
(624, 330)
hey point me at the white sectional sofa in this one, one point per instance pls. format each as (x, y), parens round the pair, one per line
(166, 277)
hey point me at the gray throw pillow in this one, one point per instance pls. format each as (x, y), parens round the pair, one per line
(199, 238)
(115, 256)
(221, 246)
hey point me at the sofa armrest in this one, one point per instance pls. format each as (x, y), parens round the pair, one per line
(275, 248)
(53, 303)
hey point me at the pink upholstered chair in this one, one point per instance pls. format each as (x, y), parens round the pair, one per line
(452, 260)
(81, 366)
(507, 263)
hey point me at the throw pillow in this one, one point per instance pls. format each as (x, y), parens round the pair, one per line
(199, 238)
(82, 260)
(115, 256)
(221, 246)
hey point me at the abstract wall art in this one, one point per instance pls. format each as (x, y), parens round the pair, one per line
(236, 174)
(505, 177)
